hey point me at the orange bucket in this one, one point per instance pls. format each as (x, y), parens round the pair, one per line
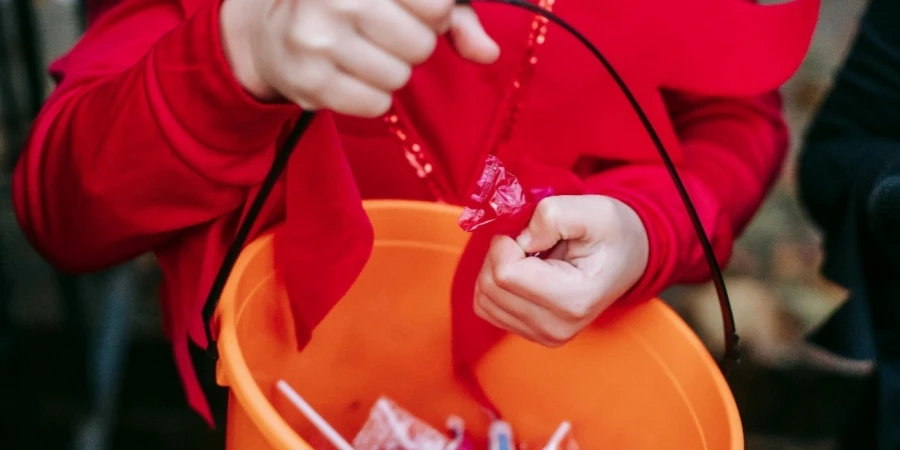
(639, 379)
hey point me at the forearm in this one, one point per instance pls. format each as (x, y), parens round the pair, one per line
(734, 150)
(123, 158)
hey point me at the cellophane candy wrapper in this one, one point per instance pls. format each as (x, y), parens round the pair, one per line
(499, 201)
(390, 427)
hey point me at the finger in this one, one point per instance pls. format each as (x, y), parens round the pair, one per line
(304, 81)
(525, 310)
(558, 251)
(348, 95)
(433, 12)
(511, 268)
(469, 38)
(555, 219)
(555, 285)
(397, 31)
(544, 328)
(501, 319)
(504, 250)
(371, 64)
(505, 261)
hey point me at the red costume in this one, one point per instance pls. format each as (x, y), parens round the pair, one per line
(149, 144)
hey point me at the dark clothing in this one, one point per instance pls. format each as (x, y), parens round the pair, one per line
(216, 395)
(850, 184)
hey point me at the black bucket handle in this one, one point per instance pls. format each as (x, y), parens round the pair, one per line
(731, 355)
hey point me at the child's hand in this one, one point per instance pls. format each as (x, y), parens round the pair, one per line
(598, 249)
(343, 55)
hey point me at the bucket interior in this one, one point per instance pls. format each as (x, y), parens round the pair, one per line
(638, 379)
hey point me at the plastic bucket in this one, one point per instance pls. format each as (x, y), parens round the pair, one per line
(639, 379)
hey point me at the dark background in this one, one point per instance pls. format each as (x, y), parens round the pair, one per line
(83, 364)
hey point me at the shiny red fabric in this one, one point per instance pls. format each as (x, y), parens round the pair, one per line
(149, 144)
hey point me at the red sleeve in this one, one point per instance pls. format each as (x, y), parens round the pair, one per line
(734, 150)
(147, 134)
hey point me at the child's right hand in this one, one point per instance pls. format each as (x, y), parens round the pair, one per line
(344, 55)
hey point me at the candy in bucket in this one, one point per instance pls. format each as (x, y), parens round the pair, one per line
(391, 427)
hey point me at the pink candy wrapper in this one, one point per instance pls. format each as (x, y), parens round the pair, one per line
(499, 201)
(392, 428)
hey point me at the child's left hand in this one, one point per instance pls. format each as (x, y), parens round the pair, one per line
(598, 249)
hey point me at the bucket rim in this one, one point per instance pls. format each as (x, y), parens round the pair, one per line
(733, 415)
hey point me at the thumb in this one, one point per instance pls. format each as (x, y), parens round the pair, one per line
(555, 219)
(469, 37)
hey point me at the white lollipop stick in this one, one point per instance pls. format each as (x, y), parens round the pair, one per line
(556, 439)
(330, 433)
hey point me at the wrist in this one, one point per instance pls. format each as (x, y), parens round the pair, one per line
(235, 37)
(219, 116)
(635, 228)
(652, 248)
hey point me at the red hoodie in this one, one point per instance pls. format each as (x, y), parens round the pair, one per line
(149, 144)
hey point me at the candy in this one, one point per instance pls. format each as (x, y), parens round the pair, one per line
(499, 201)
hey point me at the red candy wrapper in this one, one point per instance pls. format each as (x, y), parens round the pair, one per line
(499, 201)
